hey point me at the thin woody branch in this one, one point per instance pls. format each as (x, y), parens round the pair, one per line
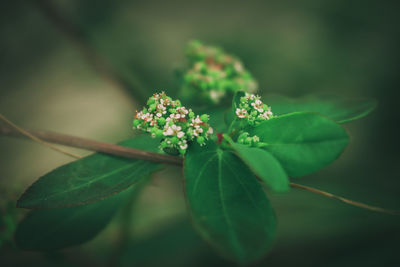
(92, 145)
(121, 151)
(345, 200)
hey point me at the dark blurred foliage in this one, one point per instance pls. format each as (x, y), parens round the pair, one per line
(348, 48)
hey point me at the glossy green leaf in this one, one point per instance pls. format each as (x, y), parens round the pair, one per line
(264, 165)
(302, 142)
(228, 205)
(59, 228)
(89, 179)
(338, 109)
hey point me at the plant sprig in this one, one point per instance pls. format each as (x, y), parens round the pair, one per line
(224, 176)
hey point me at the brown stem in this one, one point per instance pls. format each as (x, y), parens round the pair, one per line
(116, 150)
(92, 145)
(34, 138)
(345, 200)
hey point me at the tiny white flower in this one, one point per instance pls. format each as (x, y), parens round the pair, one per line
(241, 113)
(180, 134)
(169, 131)
(184, 146)
(197, 120)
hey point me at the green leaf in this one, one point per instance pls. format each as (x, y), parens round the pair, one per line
(228, 205)
(59, 228)
(89, 179)
(264, 165)
(338, 109)
(302, 142)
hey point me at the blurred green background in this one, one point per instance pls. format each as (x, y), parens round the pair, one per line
(349, 48)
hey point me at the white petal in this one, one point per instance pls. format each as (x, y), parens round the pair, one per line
(180, 134)
(184, 146)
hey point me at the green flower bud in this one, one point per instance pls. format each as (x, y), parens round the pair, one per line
(191, 114)
(161, 121)
(159, 133)
(136, 122)
(163, 144)
(243, 136)
(174, 140)
(204, 118)
(150, 101)
(152, 107)
(248, 140)
(200, 140)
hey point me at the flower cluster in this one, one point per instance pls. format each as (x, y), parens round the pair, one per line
(214, 73)
(253, 109)
(245, 139)
(176, 125)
